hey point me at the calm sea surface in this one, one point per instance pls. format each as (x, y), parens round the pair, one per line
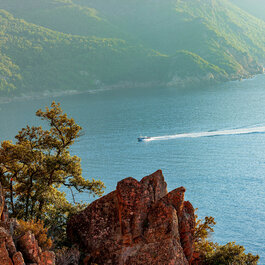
(224, 174)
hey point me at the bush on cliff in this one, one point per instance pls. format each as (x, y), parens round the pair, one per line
(39, 231)
(33, 170)
(214, 254)
(231, 254)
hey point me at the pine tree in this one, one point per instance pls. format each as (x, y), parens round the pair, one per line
(35, 168)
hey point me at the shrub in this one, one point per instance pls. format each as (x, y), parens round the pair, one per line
(231, 254)
(67, 256)
(39, 231)
(214, 254)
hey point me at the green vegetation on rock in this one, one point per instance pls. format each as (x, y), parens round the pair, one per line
(211, 253)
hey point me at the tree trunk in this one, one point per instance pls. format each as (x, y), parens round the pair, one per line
(40, 209)
(11, 197)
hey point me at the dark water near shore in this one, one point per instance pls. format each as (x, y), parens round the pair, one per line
(224, 174)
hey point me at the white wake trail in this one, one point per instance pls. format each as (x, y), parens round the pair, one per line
(205, 134)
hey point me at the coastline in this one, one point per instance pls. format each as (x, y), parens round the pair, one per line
(125, 84)
(59, 93)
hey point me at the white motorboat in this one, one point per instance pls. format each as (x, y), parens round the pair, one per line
(143, 138)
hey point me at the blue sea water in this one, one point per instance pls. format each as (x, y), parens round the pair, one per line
(224, 174)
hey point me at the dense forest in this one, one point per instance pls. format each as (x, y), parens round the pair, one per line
(62, 45)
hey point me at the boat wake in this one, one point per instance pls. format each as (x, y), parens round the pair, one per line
(260, 129)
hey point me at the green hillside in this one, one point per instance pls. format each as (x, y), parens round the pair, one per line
(216, 30)
(49, 45)
(254, 7)
(225, 35)
(34, 58)
(63, 16)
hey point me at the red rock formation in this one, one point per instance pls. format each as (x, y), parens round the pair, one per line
(139, 223)
(8, 240)
(32, 253)
(47, 258)
(2, 203)
(18, 259)
(29, 250)
(4, 256)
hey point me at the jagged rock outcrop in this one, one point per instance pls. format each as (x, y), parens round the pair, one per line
(138, 223)
(26, 251)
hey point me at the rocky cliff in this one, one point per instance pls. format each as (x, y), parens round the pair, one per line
(22, 250)
(138, 223)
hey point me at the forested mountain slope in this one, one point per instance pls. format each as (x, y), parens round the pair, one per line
(82, 44)
(216, 30)
(35, 58)
(254, 7)
(64, 16)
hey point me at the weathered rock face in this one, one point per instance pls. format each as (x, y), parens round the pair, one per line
(30, 249)
(138, 223)
(2, 202)
(27, 250)
(18, 259)
(3, 209)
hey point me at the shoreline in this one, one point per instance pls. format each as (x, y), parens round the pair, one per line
(129, 84)
(47, 94)
(60, 93)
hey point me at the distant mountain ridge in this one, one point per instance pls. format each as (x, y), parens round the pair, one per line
(81, 44)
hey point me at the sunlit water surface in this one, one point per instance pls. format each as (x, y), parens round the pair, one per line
(224, 173)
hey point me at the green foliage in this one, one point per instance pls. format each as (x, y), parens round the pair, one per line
(231, 254)
(9, 74)
(214, 254)
(203, 229)
(34, 170)
(187, 62)
(56, 216)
